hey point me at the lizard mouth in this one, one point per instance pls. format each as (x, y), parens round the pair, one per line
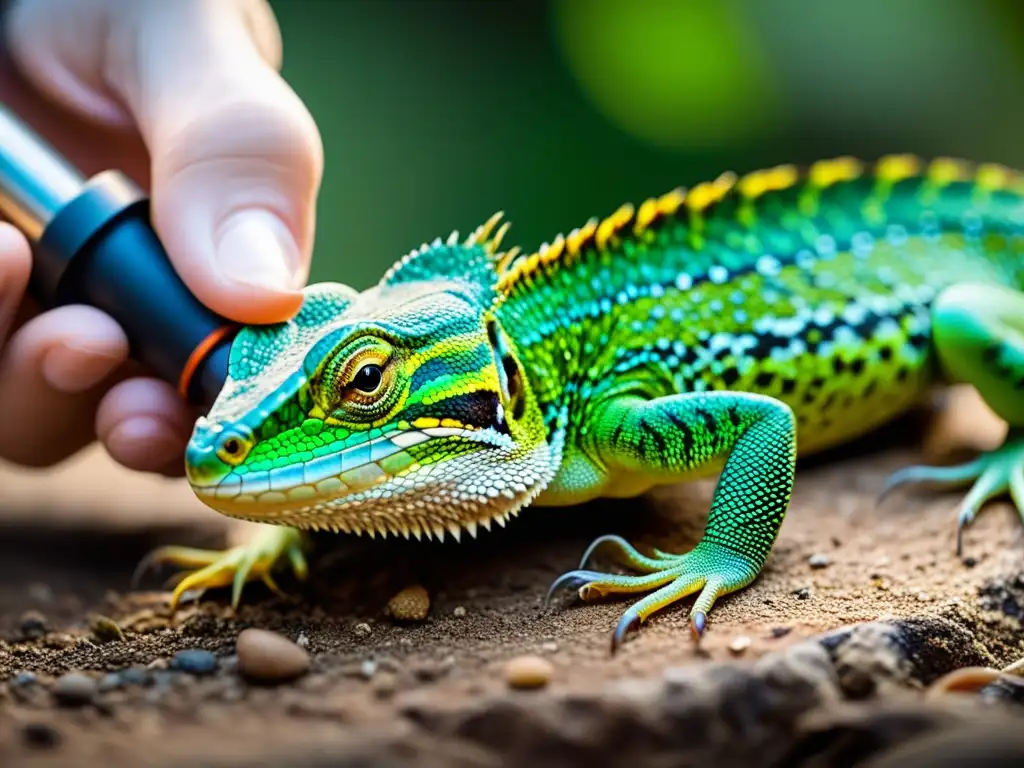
(380, 488)
(335, 474)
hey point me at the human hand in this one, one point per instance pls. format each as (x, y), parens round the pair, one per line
(235, 164)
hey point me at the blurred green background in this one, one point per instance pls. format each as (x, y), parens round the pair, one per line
(436, 114)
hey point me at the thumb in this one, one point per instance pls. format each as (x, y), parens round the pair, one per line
(236, 157)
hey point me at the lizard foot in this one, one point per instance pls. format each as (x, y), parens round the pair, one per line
(708, 569)
(990, 475)
(251, 561)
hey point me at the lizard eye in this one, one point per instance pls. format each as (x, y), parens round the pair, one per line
(358, 382)
(233, 448)
(368, 378)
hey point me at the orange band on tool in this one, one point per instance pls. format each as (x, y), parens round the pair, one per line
(198, 355)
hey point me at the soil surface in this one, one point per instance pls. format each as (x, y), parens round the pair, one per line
(782, 676)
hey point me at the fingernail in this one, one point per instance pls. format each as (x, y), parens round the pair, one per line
(255, 247)
(77, 368)
(145, 442)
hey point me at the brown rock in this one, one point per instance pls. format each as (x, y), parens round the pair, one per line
(411, 604)
(269, 657)
(528, 672)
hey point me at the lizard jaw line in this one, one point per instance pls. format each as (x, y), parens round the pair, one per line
(328, 476)
(413, 511)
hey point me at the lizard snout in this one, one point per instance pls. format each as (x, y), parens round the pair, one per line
(214, 450)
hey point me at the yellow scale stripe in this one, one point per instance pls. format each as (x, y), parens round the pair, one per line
(887, 171)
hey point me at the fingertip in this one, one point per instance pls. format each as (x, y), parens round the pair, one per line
(73, 347)
(79, 363)
(14, 243)
(144, 443)
(250, 270)
(144, 425)
(15, 260)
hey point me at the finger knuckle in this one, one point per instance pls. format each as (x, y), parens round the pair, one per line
(251, 130)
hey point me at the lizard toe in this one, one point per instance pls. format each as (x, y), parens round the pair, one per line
(709, 571)
(992, 474)
(235, 567)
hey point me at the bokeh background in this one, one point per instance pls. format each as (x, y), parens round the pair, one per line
(436, 114)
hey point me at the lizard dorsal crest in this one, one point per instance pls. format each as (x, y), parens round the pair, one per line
(473, 260)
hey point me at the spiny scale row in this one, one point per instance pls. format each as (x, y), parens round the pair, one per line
(416, 527)
(888, 170)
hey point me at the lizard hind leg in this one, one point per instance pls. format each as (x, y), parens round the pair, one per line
(978, 333)
(669, 438)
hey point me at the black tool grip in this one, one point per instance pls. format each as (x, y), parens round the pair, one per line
(100, 249)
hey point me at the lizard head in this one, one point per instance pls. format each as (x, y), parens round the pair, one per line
(403, 410)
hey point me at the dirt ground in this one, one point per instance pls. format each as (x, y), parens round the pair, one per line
(434, 692)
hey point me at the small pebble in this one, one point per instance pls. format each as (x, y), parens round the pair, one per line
(105, 629)
(109, 682)
(269, 657)
(163, 681)
(368, 668)
(528, 672)
(40, 735)
(924, 597)
(194, 661)
(302, 641)
(819, 561)
(384, 686)
(157, 664)
(24, 679)
(123, 678)
(778, 632)
(74, 689)
(134, 676)
(549, 647)
(459, 612)
(362, 629)
(60, 640)
(427, 671)
(411, 604)
(804, 593)
(739, 644)
(32, 625)
(970, 562)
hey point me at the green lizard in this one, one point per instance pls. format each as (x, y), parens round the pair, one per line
(725, 329)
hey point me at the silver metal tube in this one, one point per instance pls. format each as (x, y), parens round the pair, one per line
(35, 180)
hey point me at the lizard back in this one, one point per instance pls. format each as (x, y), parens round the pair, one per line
(810, 285)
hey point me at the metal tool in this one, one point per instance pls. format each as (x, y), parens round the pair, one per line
(93, 244)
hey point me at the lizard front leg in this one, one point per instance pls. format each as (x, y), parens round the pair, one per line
(978, 332)
(269, 547)
(669, 438)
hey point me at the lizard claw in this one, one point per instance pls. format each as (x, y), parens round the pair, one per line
(627, 554)
(233, 567)
(708, 571)
(990, 475)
